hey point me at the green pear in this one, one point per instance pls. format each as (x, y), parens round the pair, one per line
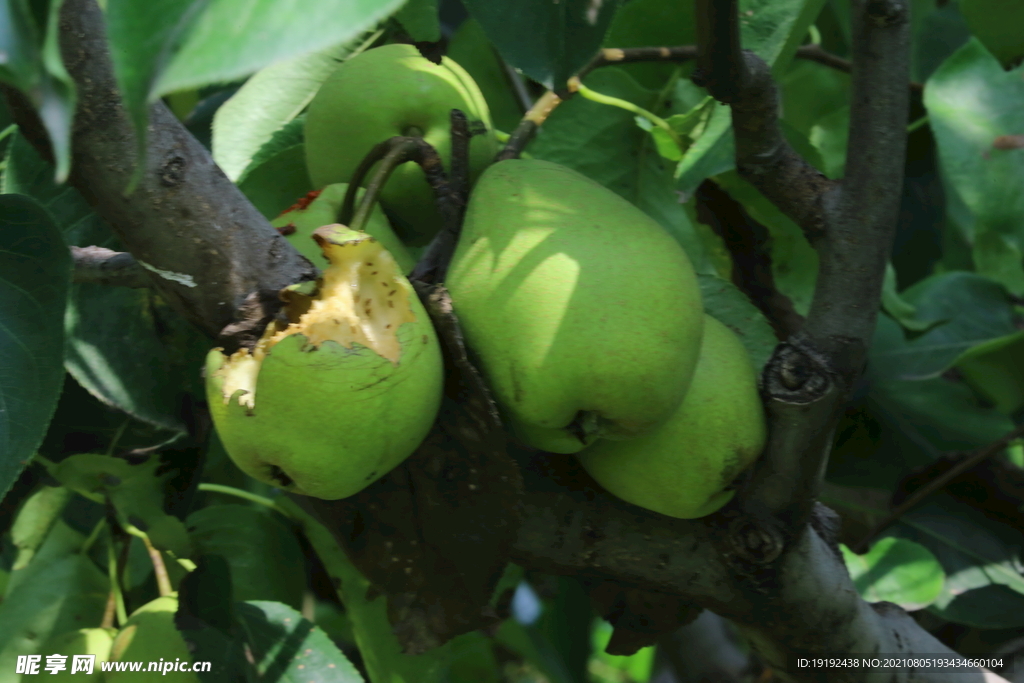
(999, 25)
(150, 635)
(84, 641)
(388, 91)
(584, 314)
(324, 211)
(683, 468)
(334, 399)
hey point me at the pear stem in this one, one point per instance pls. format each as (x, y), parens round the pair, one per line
(600, 98)
(163, 581)
(115, 586)
(244, 495)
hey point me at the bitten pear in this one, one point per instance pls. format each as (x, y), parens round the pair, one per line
(684, 468)
(323, 210)
(584, 314)
(325, 405)
(388, 91)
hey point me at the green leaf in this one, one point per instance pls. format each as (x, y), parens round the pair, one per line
(548, 41)
(772, 29)
(171, 45)
(60, 590)
(115, 345)
(973, 104)
(732, 308)
(291, 649)
(278, 182)
(419, 19)
(994, 370)
(135, 491)
(273, 97)
(642, 23)
(35, 519)
(898, 571)
(938, 32)
(982, 560)
(794, 260)
(606, 668)
(378, 645)
(472, 51)
(938, 410)
(976, 309)
(265, 558)
(35, 273)
(829, 135)
(900, 309)
(19, 43)
(604, 143)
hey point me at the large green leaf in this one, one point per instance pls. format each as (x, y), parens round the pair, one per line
(271, 98)
(60, 590)
(265, 558)
(975, 309)
(548, 41)
(288, 648)
(171, 45)
(730, 306)
(30, 60)
(377, 643)
(124, 345)
(470, 48)
(419, 19)
(981, 558)
(974, 110)
(939, 411)
(643, 23)
(896, 570)
(35, 273)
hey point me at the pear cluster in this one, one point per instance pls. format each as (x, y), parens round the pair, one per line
(582, 312)
(585, 316)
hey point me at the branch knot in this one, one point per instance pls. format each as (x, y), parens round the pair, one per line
(796, 374)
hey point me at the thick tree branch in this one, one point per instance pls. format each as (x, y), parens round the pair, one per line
(204, 246)
(810, 377)
(803, 605)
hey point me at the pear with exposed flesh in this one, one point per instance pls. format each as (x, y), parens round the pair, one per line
(346, 390)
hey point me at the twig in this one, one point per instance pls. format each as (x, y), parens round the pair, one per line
(101, 266)
(940, 482)
(815, 53)
(391, 154)
(720, 64)
(433, 265)
(527, 128)
(749, 244)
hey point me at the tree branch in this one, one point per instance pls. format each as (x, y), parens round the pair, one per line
(803, 605)
(204, 246)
